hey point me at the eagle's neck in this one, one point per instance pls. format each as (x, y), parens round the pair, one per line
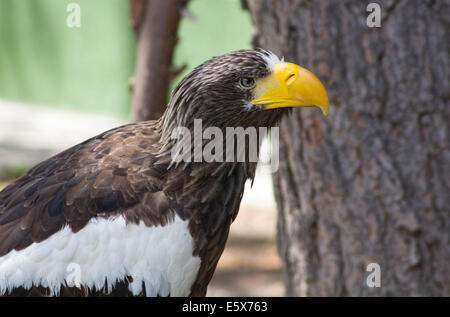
(209, 198)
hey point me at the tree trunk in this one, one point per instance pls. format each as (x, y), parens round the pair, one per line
(155, 24)
(370, 182)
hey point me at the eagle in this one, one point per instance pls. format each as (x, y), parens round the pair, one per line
(121, 214)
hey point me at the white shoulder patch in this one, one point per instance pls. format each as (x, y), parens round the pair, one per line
(107, 250)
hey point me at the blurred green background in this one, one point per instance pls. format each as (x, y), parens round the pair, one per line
(44, 62)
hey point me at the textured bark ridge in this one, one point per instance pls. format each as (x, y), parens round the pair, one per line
(370, 182)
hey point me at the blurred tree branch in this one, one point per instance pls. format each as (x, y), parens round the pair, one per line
(155, 24)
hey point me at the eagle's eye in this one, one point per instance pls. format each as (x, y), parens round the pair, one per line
(247, 82)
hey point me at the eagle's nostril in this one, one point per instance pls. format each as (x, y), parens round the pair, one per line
(291, 78)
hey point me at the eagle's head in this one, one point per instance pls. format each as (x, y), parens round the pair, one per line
(243, 88)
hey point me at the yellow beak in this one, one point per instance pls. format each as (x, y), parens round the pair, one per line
(290, 85)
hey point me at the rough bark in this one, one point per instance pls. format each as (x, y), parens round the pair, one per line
(155, 24)
(370, 182)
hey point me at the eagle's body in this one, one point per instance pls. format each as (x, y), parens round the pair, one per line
(119, 214)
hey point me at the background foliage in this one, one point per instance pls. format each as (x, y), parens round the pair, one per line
(42, 61)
